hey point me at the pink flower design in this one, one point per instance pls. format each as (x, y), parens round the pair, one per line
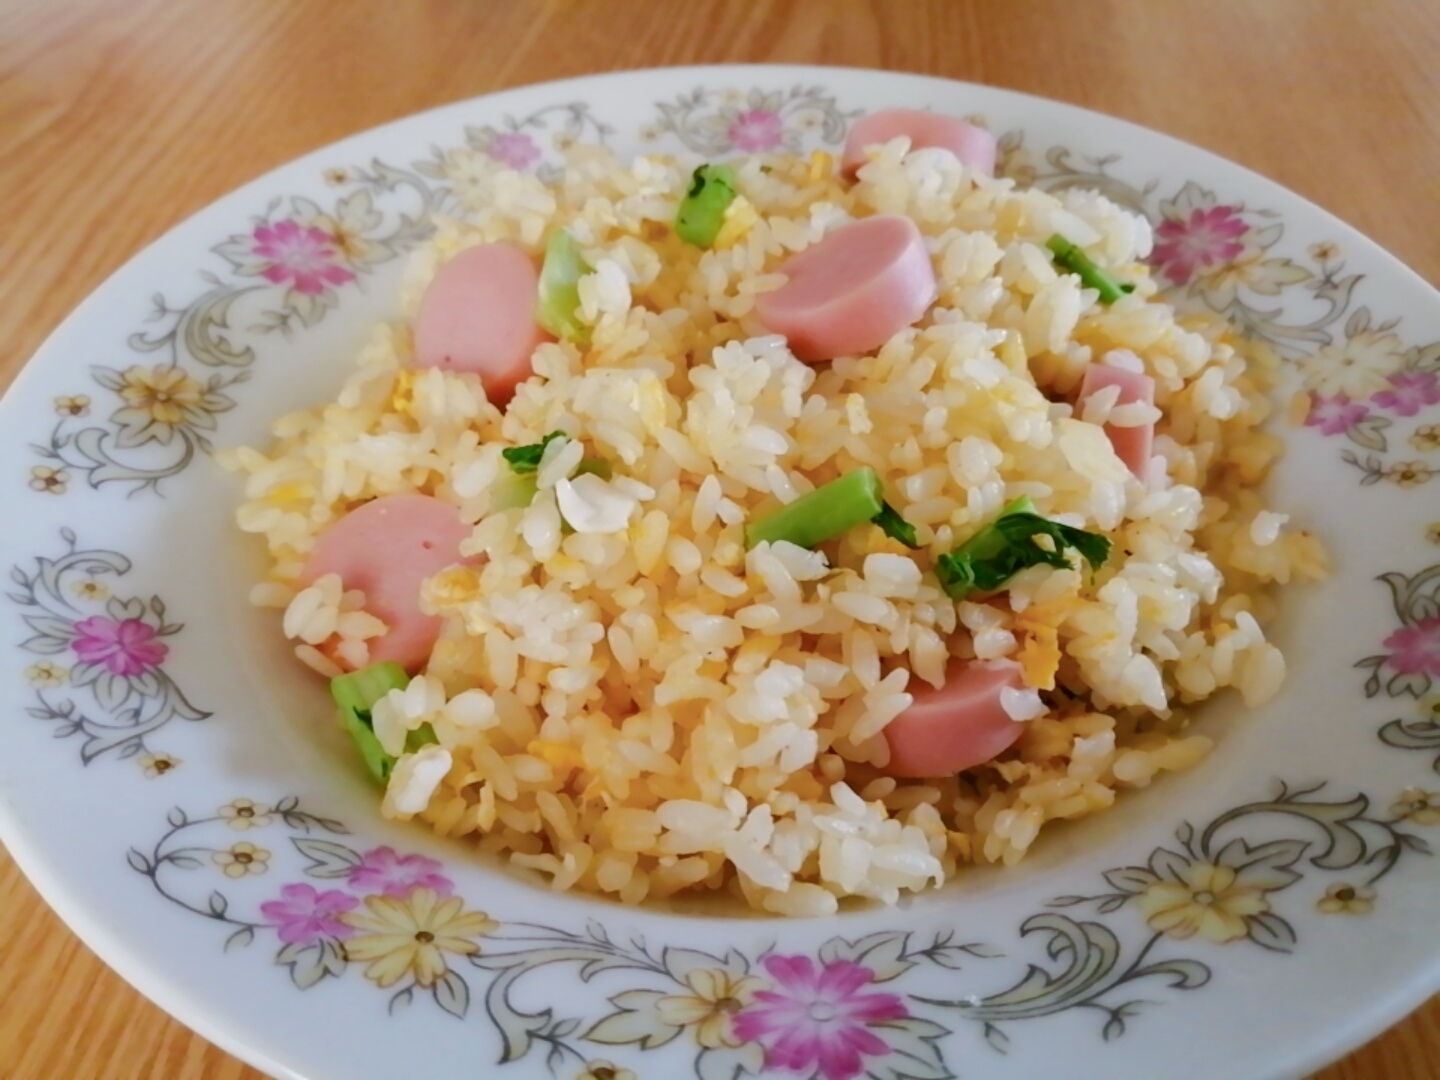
(381, 870)
(1207, 238)
(303, 256)
(756, 129)
(1415, 650)
(513, 148)
(1335, 415)
(124, 646)
(303, 916)
(1410, 391)
(818, 1017)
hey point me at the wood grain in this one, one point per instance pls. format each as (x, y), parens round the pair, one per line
(119, 120)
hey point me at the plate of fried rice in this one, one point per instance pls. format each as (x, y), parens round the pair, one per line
(740, 572)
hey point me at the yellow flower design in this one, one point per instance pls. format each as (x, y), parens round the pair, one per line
(51, 481)
(1432, 532)
(1208, 901)
(242, 859)
(46, 675)
(156, 764)
(411, 936)
(1251, 270)
(244, 814)
(1359, 367)
(1417, 806)
(348, 238)
(1408, 474)
(1324, 251)
(90, 589)
(75, 405)
(715, 996)
(1426, 437)
(604, 1070)
(336, 177)
(1345, 899)
(165, 395)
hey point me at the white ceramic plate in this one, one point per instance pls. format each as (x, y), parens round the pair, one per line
(171, 785)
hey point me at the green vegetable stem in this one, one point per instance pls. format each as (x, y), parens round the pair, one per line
(559, 304)
(1071, 259)
(822, 514)
(356, 694)
(702, 211)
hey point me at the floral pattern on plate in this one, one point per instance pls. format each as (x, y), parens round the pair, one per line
(844, 1011)
(286, 271)
(723, 121)
(1358, 377)
(91, 645)
(1410, 666)
(524, 144)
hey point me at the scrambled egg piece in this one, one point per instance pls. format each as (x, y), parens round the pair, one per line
(559, 756)
(453, 587)
(821, 164)
(740, 218)
(291, 491)
(1038, 627)
(402, 398)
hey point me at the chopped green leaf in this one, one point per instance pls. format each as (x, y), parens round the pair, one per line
(1070, 258)
(702, 211)
(895, 526)
(559, 301)
(356, 694)
(526, 459)
(1008, 545)
(822, 514)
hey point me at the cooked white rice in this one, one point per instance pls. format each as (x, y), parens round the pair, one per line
(653, 709)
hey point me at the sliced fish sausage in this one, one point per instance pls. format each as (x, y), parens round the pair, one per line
(1133, 445)
(852, 291)
(478, 315)
(974, 146)
(958, 726)
(386, 548)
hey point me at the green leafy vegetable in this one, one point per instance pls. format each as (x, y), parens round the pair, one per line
(559, 303)
(895, 526)
(526, 459)
(356, 694)
(1070, 258)
(1008, 545)
(702, 211)
(822, 514)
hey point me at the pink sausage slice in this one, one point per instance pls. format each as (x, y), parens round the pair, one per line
(477, 315)
(1133, 445)
(386, 548)
(956, 727)
(974, 146)
(852, 291)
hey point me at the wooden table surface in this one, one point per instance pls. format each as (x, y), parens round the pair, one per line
(119, 119)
